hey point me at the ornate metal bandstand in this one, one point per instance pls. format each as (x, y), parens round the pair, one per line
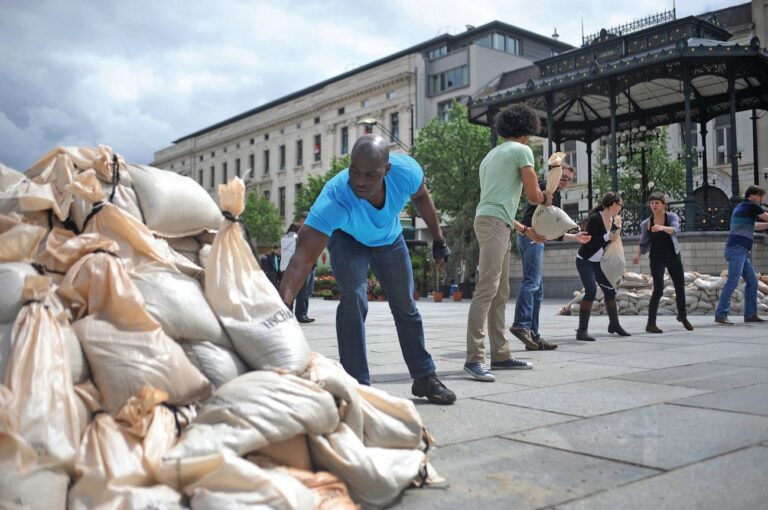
(657, 73)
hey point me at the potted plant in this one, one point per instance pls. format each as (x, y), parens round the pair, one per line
(457, 295)
(438, 294)
(372, 282)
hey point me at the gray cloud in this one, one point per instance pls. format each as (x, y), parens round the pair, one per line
(137, 75)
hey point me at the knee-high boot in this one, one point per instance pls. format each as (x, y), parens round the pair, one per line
(585, 310)
(613, 318)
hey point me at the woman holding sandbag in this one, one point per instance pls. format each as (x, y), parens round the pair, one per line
(658, 236)
(601, 228)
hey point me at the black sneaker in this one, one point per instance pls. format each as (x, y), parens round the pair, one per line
(754, 318)
(305, 320)
(511, 364)
(432, 388)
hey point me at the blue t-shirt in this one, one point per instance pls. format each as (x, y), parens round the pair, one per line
(338, 207)
(743, 224)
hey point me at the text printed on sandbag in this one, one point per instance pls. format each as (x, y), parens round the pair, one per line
(277, 318)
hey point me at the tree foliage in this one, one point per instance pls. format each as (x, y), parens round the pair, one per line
(262, 219)
(450, 152)
(665, 174)
(311, 190)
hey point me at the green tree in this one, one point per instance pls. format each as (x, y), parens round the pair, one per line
(450, 152)
(262, 220)
(310, 191)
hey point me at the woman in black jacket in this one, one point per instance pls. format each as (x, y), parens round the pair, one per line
(602, 229)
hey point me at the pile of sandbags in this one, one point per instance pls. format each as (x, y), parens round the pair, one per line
(146, 361)
(702, 293)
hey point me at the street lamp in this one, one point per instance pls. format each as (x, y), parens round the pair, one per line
(372, 121)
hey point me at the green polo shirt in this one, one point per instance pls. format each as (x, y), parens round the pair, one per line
(501, 182)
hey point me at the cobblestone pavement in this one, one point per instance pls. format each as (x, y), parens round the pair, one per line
(670, 421)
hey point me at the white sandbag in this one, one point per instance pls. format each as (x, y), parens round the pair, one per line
(262, 328)
(16, 455)
(12, 275)
(375, 476)
(238, 483)
(78, 365)
(26, 197)
(38, 370)
(218, 364)
(9, 177)
(124, 198)
(714, 284)
(123, 361)
(244, 415)
(204, 254)
(157, 497)
(390, 422)
(613, 262)
(550, 221)
(5, 348)
(173, 205)
(37, 489)
(21, 242)
(177, 302)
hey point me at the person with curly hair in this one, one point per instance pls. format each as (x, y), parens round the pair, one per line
(505, 172)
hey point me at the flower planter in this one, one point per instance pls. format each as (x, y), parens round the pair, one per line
(457, 295)
(416, 295)
(371, 296)
(437, 296)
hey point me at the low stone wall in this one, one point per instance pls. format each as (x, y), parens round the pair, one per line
(702, 252)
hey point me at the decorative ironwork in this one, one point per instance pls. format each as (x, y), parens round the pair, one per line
(632, 26)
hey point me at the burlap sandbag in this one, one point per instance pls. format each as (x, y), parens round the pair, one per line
(38, 370)
(173, 205)
(613, 262)
(246, 414)
(218, 364)
(549, 221)
(20, 243)
(26, 196)
(262, 328)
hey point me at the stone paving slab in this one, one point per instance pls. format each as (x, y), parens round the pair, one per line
(554, 374)
(595, 397)
(752, 399)
(760, 361)
(661, 436)
(498, 473)
(732, 481)
(654, 359)
(726, 349)
(706, 376)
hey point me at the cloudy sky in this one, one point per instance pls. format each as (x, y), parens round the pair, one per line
(138, 74)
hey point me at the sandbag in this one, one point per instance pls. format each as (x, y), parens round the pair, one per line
(26, 196)
(63, 249)
(124, 198)
(5, 348)
(238, 483)
(9, 177)
(20, 243)
(173, 205)
(375, 476)
(244, 415)
(390, 422)
(37, 489)
(177, 302)
(550, 221)
(262, 328)
(332, 492)
(15, 453)
(12, 275)
(218, 364)
(613, 262)
(123, 361)
(156, 497)
(38, 370)
(78, 365)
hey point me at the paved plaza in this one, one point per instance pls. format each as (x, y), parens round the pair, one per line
(671, 421)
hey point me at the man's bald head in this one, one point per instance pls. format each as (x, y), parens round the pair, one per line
(371, 149)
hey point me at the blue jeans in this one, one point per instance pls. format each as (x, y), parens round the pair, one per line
(302, 299)
(591, 275)
(392, 266)
(738, 265)
(531, 288)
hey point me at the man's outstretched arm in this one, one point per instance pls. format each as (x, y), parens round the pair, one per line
(309, 246)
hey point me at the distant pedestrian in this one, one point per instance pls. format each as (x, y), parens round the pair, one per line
(658, 236)
(302, 299)
(270, 264)
(601, 228)
(737, 251)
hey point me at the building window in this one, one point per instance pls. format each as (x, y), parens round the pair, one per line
(282, 157)
(281, 200)
(297, 191)
(224, 172)
(722, 138)
(237, 167)
(200, 176)
(266, 194)
(251, 163)
(318, 148)
(391, 95)
(340, 111)
(437, 52)
(394, 127)
(201, 158)
(298, 125)
(500, 42)
(444, 109)
(213, 154)
(266, 162)
(171, 166)
(299, 152)
(365, 103)
(569, 148)
(513, 46)
(344, 140)
(450, 79)
(368, 129)
(253, 141)
(484, 41)
(213, 177)
(317, 120)
(266, 136)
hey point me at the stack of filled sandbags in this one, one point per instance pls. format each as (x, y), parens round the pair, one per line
(702, 293)
(147, 362)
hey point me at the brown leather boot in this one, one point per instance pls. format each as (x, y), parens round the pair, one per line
(585, 311)
(683, 319)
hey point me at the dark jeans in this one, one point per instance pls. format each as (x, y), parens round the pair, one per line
(302, 298)
(674, 264)
(392, 266)
(531, 291)
(591, 275)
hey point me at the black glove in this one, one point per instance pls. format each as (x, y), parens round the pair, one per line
(441, 251)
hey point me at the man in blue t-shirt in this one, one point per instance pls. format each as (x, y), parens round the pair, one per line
(737, 249)
(359, 211)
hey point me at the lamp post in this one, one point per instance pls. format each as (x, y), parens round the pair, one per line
(372, 121)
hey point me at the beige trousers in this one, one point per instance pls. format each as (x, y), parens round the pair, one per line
(491, 291)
